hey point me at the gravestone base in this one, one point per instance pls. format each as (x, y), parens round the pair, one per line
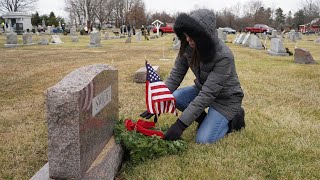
(277, 54)
(258, 48)
(94, 45)
(57, 43)
(30, 44)
(11, 45)
(105, 166)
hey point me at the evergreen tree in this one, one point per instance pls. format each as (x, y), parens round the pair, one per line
(280, 18)
(35, 19)
(299, 18)
(53, 20)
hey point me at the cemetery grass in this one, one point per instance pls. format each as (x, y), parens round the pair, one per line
(281, 140)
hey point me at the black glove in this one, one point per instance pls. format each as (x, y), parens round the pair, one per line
(148, 115)
(175, 131)
(238, 122)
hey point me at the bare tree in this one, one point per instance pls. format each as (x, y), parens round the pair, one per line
(16, 5)
(104, 10)
(311, 9)
(137, 14)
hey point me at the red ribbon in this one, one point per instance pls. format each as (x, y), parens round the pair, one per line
(143, 127)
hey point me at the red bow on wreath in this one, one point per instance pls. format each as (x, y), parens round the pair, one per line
(143, 127)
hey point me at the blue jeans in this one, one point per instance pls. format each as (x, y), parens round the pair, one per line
(213, 127)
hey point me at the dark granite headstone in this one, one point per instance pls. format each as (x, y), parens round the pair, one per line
(81, 112)
(303, 56)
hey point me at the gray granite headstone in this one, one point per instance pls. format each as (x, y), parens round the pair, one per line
(235, 39)
(292, 35)
(82, 110)
(27, 38)
(277, 48)
(138, 36)
(222, 35)
(255, 43)
(177, 46)
(106, 36)
(73, 32)
(274, 33)
(12, 40)
(49, 30)
(303, 56)
(44, 40)
(95, 39)
(176, 39)
(73, 35)
(240, 39)
(128, 40)
(140, 75)
(246, 40)
(55, 39)
(298, 35)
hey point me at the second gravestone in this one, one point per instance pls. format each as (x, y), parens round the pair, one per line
(82, 110)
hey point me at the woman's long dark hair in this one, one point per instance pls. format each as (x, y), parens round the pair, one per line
(195, 57)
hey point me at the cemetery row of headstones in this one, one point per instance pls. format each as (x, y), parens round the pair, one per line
(12, 39)
(277, 48)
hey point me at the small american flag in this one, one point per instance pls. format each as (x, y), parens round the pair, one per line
(158, 97)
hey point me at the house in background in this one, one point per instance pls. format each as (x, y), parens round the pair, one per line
(312, 27)
(18, 22)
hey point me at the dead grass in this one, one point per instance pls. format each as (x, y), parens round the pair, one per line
(282, 100)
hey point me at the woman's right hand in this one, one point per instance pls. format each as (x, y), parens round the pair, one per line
(148, 115)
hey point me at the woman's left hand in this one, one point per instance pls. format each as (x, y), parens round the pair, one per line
(175, 131)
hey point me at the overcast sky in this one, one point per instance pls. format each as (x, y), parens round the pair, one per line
(172, 6)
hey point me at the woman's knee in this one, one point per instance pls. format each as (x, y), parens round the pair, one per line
(205, 140)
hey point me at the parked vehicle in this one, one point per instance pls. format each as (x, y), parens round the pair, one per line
(229, 30)
(259, 28)
(166, 29)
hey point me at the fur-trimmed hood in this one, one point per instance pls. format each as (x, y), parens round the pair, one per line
(200, 25)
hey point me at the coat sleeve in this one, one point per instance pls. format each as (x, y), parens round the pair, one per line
(210, 90)
(177, 73)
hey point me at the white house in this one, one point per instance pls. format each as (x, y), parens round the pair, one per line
(17, 21)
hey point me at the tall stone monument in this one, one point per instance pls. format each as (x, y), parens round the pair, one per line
(82, 110)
